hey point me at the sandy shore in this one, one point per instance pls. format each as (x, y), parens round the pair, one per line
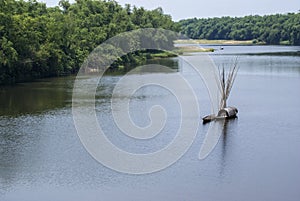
(217, 42)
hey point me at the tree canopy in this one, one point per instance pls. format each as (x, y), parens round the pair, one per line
(269, 29)
(38, 41)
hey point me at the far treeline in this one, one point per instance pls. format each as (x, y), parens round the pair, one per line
(268, 29)
(38, 41)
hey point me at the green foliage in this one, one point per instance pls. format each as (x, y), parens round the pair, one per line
(36, 41)
(268, 29)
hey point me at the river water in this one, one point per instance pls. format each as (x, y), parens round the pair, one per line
(256, 158)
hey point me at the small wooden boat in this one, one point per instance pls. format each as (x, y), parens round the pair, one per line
(225, 113)
(228, 112)
(225, 83)
(208, 118)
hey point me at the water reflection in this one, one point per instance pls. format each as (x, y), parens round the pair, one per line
(36, 97)
(224, 146)
(172, 63)
(229, 127)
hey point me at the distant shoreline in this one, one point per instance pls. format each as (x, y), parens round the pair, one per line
(224, 42)
(217, 42)
(194, 45)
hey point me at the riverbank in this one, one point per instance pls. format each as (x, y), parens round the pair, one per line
(215, 42)
(192, 48)
(225, 42)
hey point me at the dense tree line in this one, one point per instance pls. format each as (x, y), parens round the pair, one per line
(38, 41)
(269, 29)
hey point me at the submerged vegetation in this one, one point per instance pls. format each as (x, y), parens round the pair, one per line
(268, 29)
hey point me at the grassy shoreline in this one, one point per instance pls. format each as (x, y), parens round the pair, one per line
(215, 42)
(225, 42)
(190, 49)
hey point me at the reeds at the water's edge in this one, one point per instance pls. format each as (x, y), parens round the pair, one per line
(225, 82)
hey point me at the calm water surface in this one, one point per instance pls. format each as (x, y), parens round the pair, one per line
(257, 157)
